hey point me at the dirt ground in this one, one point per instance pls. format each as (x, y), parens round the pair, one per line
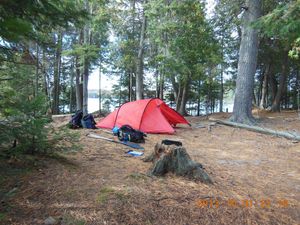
(256, 181)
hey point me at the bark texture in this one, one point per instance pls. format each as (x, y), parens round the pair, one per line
(282, 85)
(170, 158)
(79, 90)
(182, 108)
(140, 61)
(78, 86)
(56, 88)
(247, 64)
(288, 135)
(264, 88)
(86, 64)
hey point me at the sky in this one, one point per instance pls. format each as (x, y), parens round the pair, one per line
(108, 82)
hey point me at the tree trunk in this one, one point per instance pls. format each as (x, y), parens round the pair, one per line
(179, 96)
(264, 88)
(175, 86)
(297, 91)
(282, 85)
(85, 87)
(71, 87)
(56, 88)
(221, 92)
(130, 94)
(222, 76)
(86, 64)
(157, 83)
(242, 110)
(273, 86)
(161, 86)
(254, 101)
(37, 71)
(78, 85)
(100, 91)
(175, 159)
(132, 38)
(140, 60)
(199, 97)
(182, 109)
(45, 76)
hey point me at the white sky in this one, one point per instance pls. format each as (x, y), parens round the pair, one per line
(107, 82)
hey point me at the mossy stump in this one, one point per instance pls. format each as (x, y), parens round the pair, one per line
(174, 159)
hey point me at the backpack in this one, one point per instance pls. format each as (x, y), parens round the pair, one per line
(75, 121)
(127, 133)
(88, 122)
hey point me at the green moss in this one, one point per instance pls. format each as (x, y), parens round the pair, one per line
(2, 180)
(123, 197)
(107, 192)
(2, 217)
(137, 176)
(104, 194)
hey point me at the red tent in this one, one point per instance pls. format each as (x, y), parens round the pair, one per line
(147, 115)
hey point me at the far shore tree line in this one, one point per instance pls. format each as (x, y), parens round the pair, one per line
(49, 49)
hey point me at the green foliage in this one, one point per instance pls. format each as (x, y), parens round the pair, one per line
(2, 216)
(22, 114)
(185, 44)
(283, 23)
(24, 126)
(25, 19)
(295, 52)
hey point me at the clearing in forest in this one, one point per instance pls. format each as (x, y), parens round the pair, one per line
(256, 181)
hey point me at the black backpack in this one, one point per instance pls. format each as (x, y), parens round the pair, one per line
(127, 133)
(75, 121)
(88, 122)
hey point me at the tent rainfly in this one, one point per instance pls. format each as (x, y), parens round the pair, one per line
(147, 115)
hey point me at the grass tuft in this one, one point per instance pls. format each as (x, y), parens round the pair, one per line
(137, 176)
(2, 217)
(104, 194)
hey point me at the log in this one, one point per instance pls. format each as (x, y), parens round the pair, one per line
(288, 135)
(175, 159)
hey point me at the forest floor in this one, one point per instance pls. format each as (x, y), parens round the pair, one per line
(256, 180)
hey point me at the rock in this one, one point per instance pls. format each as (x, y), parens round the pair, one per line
(50, 221)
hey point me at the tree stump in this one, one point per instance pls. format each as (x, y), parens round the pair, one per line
(175, 159)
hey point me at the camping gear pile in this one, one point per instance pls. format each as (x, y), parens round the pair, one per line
(127, 133)
(127, 143)
(80, 121)
(131, 121)
(126, 136)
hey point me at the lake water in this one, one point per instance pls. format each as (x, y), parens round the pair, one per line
(93, 105)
